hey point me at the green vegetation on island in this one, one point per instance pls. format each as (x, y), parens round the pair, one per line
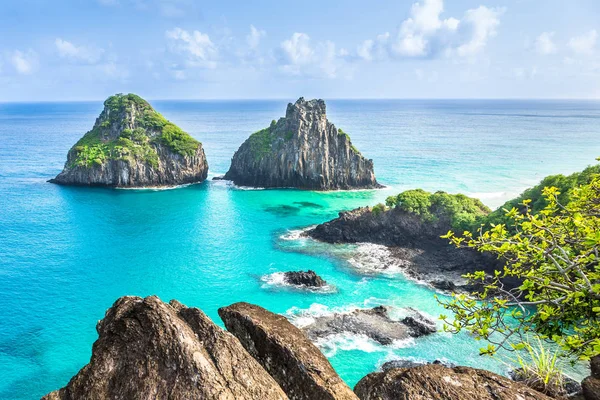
(113, 138)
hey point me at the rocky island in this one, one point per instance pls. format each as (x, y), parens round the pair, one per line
(132, 145)
(302, 150)
(150, 349)
(410, 225)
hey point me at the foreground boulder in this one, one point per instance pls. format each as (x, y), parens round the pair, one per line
(437, 382)
(132, 145)
(286, 353)
(147, 349)
(375, 323)
(303, 150)
(591, 385)
(304, 278)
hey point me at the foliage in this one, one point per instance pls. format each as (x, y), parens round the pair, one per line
(461, 211)
(342, 133)
(260, 143)
(137, 143)
(565, 185)
(378, 209)
(540, 369)
(554, 253)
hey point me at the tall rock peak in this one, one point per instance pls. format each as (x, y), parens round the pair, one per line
(302, 150)
(132, 145)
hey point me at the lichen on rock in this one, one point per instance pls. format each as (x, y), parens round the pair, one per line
(132, 145)
(302, 150)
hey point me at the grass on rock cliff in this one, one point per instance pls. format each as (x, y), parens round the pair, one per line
(150, 128)
(462, 211)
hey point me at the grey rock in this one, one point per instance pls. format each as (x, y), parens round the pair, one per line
(591, 388)
(304, 278)
(286, 353)
(153, 162)
(303, 150)
(437, 382)
(570, 387)
(147, 349)
(374, 323)
(401, 363)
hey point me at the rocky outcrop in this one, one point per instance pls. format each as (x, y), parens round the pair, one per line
(414, 241)
(147, 349)
(566, 388)
(132, 145)
(303, 150)
(304, 278)
(437, 382)
(285, 352)
(591, 385)
(375, 323)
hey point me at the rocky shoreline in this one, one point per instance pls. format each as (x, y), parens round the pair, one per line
(414, 244)
(150, 349)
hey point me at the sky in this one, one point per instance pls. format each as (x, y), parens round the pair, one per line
(73, 50)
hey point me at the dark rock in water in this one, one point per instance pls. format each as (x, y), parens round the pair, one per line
(419, 324)
(132, 145)
(570, 387)
(595, 366)
(443, 284)
(411, 364)
(413, 241)
(374, 323)
(147, 349)
(302, 278)
(285, 352)
(303, 150)
(436, 382)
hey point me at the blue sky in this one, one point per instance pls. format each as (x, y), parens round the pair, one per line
(185, 49)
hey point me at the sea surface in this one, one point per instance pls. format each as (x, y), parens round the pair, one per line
(67, 253)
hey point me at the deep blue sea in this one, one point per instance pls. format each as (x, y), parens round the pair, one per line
(67, 253)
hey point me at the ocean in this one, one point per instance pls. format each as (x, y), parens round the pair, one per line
(67, 253)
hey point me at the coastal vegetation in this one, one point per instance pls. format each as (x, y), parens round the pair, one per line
(461, 211)
(553, 251)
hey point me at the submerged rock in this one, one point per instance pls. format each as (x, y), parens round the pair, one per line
(302, 150)
(132, 145)
(286, 353)
(437, 382)
(375, 323)
(147, 349)
(304, 278)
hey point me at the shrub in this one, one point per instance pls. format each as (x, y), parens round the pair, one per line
(378, 209)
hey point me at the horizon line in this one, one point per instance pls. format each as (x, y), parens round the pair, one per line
(325, 98)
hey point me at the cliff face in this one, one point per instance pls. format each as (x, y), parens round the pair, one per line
(132, 145)
(303, 150)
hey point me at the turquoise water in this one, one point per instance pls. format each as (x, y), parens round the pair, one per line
(67, 253)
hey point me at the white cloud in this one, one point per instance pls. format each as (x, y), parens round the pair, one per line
(254, 37)
(426, 34)
(70, 51)
(24, 63)
(544, 43)
(585, 43)
(199, 50)
(298, 56)
(480, 24)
